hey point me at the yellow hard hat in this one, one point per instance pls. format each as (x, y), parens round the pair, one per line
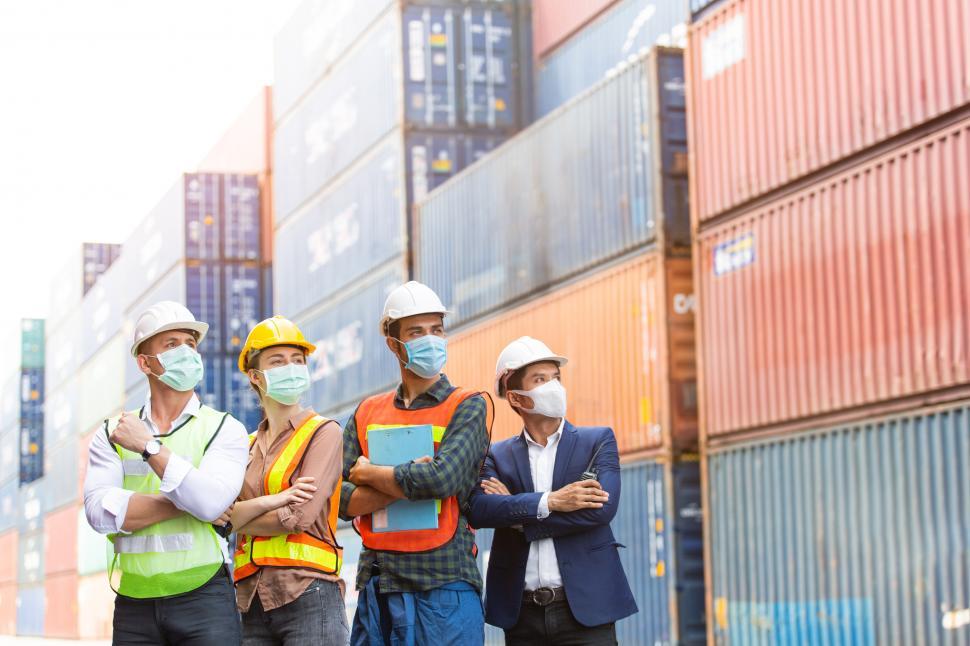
(273, 331)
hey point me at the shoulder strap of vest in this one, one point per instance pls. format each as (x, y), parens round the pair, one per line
(218, 428)
(281, 471)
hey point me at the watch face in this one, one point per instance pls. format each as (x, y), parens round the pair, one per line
(153, 447)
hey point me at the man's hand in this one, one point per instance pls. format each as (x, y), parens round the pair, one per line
(131, 433)
(494, 486)
(585, 494)
(360, 471)
(224, 519)
(298, 493)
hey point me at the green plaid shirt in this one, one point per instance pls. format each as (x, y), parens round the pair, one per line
(453, 473)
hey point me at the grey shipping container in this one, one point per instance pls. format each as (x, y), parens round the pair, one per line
(30, 506)
(8, 504)
(10, 399)
(658, 524)
(602, 176)
(441, 66)
(30, 567)
(61, 469)
(852, 534)
(101, 308)
(61, 413)
(352, 359)
(76, 276)
(613, 38)
(63, 350)
(9, 460)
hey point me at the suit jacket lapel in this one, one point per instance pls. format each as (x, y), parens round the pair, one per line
(565, 451)
(520, 452)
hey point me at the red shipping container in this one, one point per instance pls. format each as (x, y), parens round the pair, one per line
(628, 333)
(96, 603)
(60, 541)
(8, 608)
(61, 617)
(8, 556)
(553, 21)
(777, 90)
(847, 293)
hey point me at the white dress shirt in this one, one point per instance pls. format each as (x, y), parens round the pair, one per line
(203, 492)
(542, 568)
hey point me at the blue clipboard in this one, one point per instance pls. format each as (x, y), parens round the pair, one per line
(391, 446)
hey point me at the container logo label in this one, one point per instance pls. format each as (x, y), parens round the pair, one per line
(723, 47)
(734, 254)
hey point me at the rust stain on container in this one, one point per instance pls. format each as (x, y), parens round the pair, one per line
(777, 90)
(628, 333)
(847, 293)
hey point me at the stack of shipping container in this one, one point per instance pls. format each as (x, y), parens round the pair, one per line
(576, 232)
(830, 149)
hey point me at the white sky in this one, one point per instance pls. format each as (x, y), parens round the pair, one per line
(102, 104)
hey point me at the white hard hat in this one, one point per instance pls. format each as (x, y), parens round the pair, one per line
(410, 299)
(162, 317)
(519, 353)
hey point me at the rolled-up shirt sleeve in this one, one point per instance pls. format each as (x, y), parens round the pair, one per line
(105, 498)
(351, 451)
(207, 491)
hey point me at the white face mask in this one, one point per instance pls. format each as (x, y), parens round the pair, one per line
(549, 399)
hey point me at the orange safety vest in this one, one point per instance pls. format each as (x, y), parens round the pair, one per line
(379, 412)
(292, 550)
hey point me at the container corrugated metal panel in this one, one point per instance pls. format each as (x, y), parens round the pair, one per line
(29, 499)
(855, 534)
(101, 383)
(432, 158)
(242, 297)
(625, 366)
(136, 395)
(350, 541)
(96, 257)
(533, 212)
(9, 460)
(241, 223)
(8, 608)
(101, 311)
(313, 40)
(240, 400)
(94, 550)
(30, 610)
(622, 32)
(8, 556)
(61, 604)
(332, 243)
(352, 359)
(9, 507)
(30, 566)
(96, 602)
(32, 343)
(211, 390)
(205, 299)
(10, 403)
(60, 537)
(61, 473)
(63, 347)
(873, 310)
(764, 113)
(554, 20)
(489, 66)
(61, 413)
(31, 424)
(75, 277)
(341, 118)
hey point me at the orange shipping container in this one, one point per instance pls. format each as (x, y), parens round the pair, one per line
(95, 604)
(628, 332)
(8, 556)
(8, 607)
(553, 21)
(848, 293)
(61, 602)
(60, 541)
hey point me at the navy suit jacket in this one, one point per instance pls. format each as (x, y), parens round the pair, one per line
(596, 586)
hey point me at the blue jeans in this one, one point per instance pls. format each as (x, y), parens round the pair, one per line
(315, 617)
(449, 614)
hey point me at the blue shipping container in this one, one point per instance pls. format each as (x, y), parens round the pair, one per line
(211, 390)
(30, 610)
(204, 297)
(658, 524)
(574, 190)
(31, 424)
(352, 359)
(101, 312)
(61, 471)
(621, 33)
(241, 222)
(61, 413)
(203, 211)
(240, 399)
(242, 296)
(855, 534)
(96, 257)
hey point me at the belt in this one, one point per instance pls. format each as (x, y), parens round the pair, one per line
(544, 596)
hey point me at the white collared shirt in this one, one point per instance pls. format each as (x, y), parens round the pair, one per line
(203, 492)
(542, 568)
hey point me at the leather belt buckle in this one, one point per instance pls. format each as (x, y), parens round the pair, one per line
(543, 596)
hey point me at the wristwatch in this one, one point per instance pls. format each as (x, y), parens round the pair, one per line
(151, 448)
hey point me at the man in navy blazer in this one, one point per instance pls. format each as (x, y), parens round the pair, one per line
(554, 575)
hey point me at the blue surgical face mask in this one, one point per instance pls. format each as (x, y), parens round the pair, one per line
(426, 355)
(183, 368)
(286, 383)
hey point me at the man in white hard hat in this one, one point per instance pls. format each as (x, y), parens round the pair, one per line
(420, 586)
(157, 479)
(554, 574)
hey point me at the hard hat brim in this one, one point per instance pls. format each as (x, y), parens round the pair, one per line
(499, 385)
(259, 347)
(198, 327)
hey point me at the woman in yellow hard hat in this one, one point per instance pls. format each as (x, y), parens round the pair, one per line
(287, 561)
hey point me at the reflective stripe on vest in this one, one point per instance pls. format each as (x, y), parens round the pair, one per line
(380, 412)
(293, 550)
(174, 556)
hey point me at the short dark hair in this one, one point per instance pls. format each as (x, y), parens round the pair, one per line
(394, 329)
(514, 380)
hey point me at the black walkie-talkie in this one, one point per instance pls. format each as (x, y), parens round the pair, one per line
(590, 472)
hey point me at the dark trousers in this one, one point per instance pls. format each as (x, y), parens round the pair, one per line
(554, 625)
(316, 617)
(207, 616)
